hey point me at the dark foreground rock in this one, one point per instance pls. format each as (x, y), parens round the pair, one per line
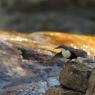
(26, 70)
(77, 78)
(61, 91)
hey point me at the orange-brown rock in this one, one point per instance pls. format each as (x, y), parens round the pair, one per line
(49, 40)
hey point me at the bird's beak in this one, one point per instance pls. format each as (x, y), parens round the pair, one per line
(58, 47)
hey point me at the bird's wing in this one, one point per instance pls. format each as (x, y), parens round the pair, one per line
(79, 53)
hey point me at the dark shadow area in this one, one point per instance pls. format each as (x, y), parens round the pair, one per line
(71, 16)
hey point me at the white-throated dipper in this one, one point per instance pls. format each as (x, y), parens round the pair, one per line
(70, 52)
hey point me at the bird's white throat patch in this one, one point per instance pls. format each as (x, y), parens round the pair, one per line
(66, 53)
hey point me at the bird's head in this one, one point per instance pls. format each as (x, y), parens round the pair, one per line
(62, 47)
(64, 50)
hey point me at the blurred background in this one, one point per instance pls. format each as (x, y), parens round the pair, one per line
(72, 16)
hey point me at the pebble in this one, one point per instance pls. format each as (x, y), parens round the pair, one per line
(42, 86)
(52, 81)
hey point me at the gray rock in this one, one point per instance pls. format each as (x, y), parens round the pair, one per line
(25, 71)
(10, 61)
(38, 88)
(16, 70)
(42, 87)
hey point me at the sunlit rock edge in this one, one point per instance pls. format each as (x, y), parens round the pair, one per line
(49, 40)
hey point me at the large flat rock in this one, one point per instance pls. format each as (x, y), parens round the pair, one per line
(26, 63)
(49, 40)
(10, 64)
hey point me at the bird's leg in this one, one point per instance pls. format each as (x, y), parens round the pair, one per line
(68, 61)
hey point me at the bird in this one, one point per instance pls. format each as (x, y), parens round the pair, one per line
(70, 53)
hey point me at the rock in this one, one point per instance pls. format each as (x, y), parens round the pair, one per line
(55, 91)
(16, 70)
(91, 84)
(28, 89)
(10, 61)
(36, 55)
(25, 63)
(45, 41)
(10, 64)
(52, 81)
(59, 91)
(75, 76)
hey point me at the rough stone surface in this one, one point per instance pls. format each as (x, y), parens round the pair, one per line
(10, 61)
(75, 76)
(55, 91)
(91, 84)
(48, 41)
(10, 64)
(25, 75)
(61, 91)
(25, 89)
(28, 66)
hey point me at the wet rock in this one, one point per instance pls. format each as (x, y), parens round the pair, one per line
(25, 65)
(45, 41)
(60, 91)
(52, 81)
(75, 76)
(10, 62)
